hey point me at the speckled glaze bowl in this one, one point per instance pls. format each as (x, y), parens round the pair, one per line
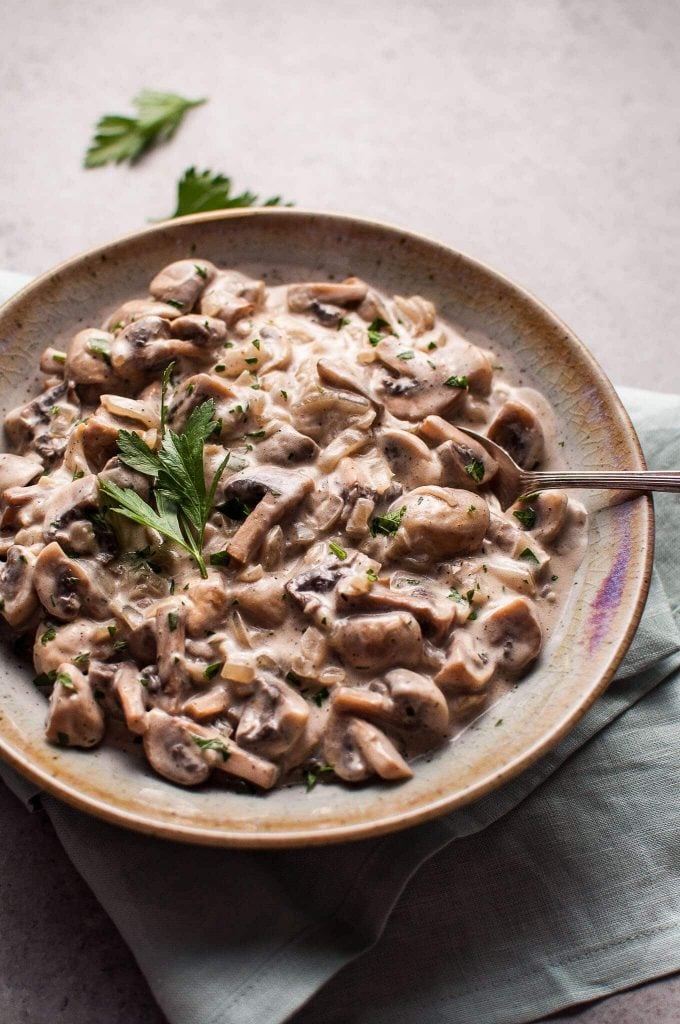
(596, 627)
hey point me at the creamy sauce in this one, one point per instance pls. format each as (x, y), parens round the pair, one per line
(364, 595)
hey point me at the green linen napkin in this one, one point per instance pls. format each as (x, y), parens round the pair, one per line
(562, 886)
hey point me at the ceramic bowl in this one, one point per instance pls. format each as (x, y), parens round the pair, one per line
(596, 627)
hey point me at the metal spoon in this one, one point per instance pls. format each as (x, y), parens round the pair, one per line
(513, 482)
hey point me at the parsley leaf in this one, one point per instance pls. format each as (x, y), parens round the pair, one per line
(119, 138)
(526, 516)
(182, 502)
(336, 550)
(457, 382)
(475, 469)
(375, 330)
(389, 523)
(201, 191)
(212, 744)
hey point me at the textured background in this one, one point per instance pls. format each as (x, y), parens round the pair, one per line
(540, 136)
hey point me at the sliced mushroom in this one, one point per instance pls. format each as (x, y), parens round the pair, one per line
(131, 694)
(405, 698)
(180, 284)
(418, 312)
(43, 424)
(465, 462)
(321, 299)
(231, 296)
(65, 587)
(18, 601)
(357, 750)
(119, 473)
(144, 345)
(213, 702)
(52, 361)
(171, 749)
(420, 386)
(516, 428)
(273, 718)
(324, 413)
(440, 522)
(17, 471)
(74, 718)
(367, 476)
(88, 360)
(467, 669)
(204, 331)
(544, 515)
(207, 604)
(376, 642)
(411, 461)
(434, 613)
(330, 373)
(261, 602)
(192, 392)
(170, 637)
(514, 635)
(82, 640)
(286, 446)
(136, 309)
(66, 519)
(271, 492)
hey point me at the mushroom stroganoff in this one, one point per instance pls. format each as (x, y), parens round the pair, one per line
(242, 522)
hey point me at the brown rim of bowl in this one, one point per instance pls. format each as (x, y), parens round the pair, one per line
(206, 836)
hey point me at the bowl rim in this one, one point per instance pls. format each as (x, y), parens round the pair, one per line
(286, 839)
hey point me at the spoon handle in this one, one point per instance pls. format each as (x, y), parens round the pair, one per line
(650, 480)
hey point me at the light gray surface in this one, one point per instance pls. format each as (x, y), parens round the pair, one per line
(539, 136)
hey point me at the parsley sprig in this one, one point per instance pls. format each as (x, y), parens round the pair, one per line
(199, 192)
(183, 503)
(119, 138)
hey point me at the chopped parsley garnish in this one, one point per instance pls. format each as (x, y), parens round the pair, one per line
(219, 558)
(65, 680)
(212, 744)
(336, 550)
(212, 669)
(554, 579)
(431, 346)
(220, 368)
(234, 508)
(59, 357)
(472, 617)
(173, 621)
(284, 395)
(202, 272)
(256, 343)
(312, 775)
(251, 360)
(55, 410)
(455, 595)
(48, 635)
(529, 556)
(408, 354)
(118, 138)
(389, 523)
(526, 516)
(475, 469)
(45, 678)
(255, 433)
(376, 329)
(176, 303)
(372, 575)
(321, 696)
(82, 658)
(78, 474)
(112, 630)
(100, 349)
(457, 382)
(120, 645)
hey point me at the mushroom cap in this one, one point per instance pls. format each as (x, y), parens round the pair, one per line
(514, 635)
(376, 642)
(74, 716)
(441, 522)
(516, 428)
(171, 749)
(181, 283)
